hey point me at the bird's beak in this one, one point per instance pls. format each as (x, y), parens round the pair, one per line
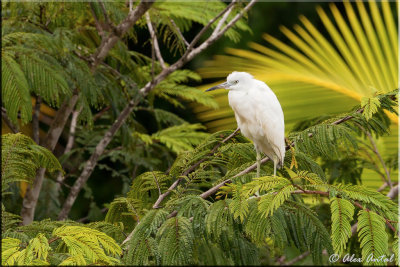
(222, 85)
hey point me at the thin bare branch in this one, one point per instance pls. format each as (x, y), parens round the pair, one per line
(296, 259)
(376, 151)
(72, 129)
(394, 192)
(154, 40)
(224, 18)
(179, 32)
(382, 187)
(158, 185)
(14, 128)
(205, 28)
(70, 143)
(35, 120)
(217, 35)
(110, 40)
(130, 5)
(105, 14)
(97, 24)
(86, 218)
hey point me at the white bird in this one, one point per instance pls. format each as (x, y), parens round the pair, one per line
(258, 114)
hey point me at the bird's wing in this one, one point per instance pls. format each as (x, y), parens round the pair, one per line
(269, 116)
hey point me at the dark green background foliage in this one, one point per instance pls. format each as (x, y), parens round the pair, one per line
(148, 199)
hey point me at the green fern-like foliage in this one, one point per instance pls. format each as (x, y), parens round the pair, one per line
(142, 249)
(370, 105)
(15, 89)
(372, 235)
(27, 69)
(178, 138)
(21, 157)
(67, 245)
(93, 245)
(175, 241)
(342, 214)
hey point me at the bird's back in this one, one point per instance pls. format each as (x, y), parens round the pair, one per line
(260, 118)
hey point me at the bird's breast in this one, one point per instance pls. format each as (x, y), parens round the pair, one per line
(241, 104)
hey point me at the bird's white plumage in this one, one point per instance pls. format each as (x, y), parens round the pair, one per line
(258, 114)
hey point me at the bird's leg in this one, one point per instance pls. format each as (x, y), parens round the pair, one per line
(258, 162)
(257, 194)
(275, 159)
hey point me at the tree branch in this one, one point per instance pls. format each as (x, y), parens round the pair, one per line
(32, 193)
(179, 32)
(70, 143)
(14, 128)
(296, 259)
(109, 41)
(97, 24)
(376, 151)
(107, 18)
(154, 40)
(35, 120)
(91, 163)
(224, 18)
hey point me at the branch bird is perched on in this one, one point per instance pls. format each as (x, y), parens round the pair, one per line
(258, 114)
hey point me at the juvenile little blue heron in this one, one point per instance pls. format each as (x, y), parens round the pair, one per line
(258, 114)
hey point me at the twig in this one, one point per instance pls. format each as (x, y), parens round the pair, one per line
(87, 217)
(14, 128)
(158, 185)
(53, 239)
(101, 113)
(110, 40)
(376, 151)
(154, 40)
(179, 32)
(296, 259)
(393, 192)
(99, 28)
(224, 18)
(72, 130)
(382, 187)
(130, 5)
(70, 143)
(107, 18)
(205, 28)
(35, 120)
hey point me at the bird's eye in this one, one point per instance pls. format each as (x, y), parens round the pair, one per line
(236, 81)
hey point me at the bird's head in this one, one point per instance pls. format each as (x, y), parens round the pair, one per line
(235, 81)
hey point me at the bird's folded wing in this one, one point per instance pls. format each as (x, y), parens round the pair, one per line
(269, 116)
